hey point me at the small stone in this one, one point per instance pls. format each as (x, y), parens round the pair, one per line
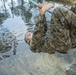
(5, 56)
(0, 58)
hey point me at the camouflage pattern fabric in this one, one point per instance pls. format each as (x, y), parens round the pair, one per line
(62, 35)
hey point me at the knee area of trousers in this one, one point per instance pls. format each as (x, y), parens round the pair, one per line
(63, 50)
(58, 10)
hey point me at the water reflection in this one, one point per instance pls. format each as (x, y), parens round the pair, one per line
(8, 40)
(2, 17)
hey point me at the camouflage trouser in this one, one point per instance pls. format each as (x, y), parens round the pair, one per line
(61, 22)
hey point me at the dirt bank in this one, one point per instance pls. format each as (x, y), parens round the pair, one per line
(64, 1)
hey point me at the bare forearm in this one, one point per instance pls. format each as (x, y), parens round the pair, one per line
(45, 7)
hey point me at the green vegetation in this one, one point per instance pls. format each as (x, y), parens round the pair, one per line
(64, 1)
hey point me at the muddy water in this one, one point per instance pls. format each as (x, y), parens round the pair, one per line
(15, 55)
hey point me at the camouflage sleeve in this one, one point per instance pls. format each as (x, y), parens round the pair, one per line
(73, 8)
(39, 33)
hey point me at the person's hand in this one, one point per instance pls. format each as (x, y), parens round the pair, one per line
(43, 8)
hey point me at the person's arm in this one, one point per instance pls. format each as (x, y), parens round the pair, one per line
(73, 8)
(39, 33)
(40, 42)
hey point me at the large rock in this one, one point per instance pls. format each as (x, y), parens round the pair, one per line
(72, 70)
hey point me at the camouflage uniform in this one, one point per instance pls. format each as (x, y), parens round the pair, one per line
(62, 35)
